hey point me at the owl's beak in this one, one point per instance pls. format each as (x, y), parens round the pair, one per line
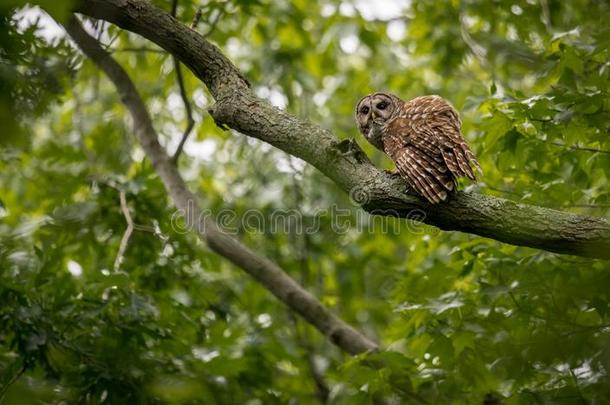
(376, 120)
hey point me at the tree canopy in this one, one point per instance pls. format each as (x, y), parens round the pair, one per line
(170, 166)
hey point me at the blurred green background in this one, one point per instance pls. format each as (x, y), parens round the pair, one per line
(462, 319)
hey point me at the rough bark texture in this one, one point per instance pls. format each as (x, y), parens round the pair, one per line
(343, 161)
(270, 275)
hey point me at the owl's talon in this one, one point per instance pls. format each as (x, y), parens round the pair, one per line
(394, 172)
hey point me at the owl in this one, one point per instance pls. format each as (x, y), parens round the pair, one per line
(422, 137)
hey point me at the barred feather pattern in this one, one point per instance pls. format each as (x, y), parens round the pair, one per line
(424, 140)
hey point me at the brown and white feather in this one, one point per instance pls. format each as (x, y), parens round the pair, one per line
(423, 137)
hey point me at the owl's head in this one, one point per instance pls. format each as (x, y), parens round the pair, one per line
(374, 110)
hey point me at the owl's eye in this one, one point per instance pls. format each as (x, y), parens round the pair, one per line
(364, 110)
(382, 106)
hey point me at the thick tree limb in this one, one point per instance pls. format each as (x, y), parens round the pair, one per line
(262, 269)
(343, 161)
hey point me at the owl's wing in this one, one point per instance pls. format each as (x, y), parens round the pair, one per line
(428, 149)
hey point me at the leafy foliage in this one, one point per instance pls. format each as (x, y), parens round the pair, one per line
(32, 75)
(462, 319)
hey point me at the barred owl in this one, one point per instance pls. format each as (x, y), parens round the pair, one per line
(422, 137)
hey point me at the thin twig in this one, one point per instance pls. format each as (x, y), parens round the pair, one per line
(112, 41)
(212, 24)
(546, 15)
(100, 31)
(403, 18)
(509, 192)
(576, 147)
(128, 231)
(503, 191)
(132, 226)
(477, 50)
(136, 227)
(144, 228)
(196, 18)
(190, 122)
(78, 122)
(10, 382)
(597, 206)
(142, 49)
(577, 385)
(563, 145)
(322, 390)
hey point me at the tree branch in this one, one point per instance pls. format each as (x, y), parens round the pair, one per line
(260, 268)
(4, 388)
(128, 231)
(190, 123)
(137, 50)
(343, 161)
(579, 148)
